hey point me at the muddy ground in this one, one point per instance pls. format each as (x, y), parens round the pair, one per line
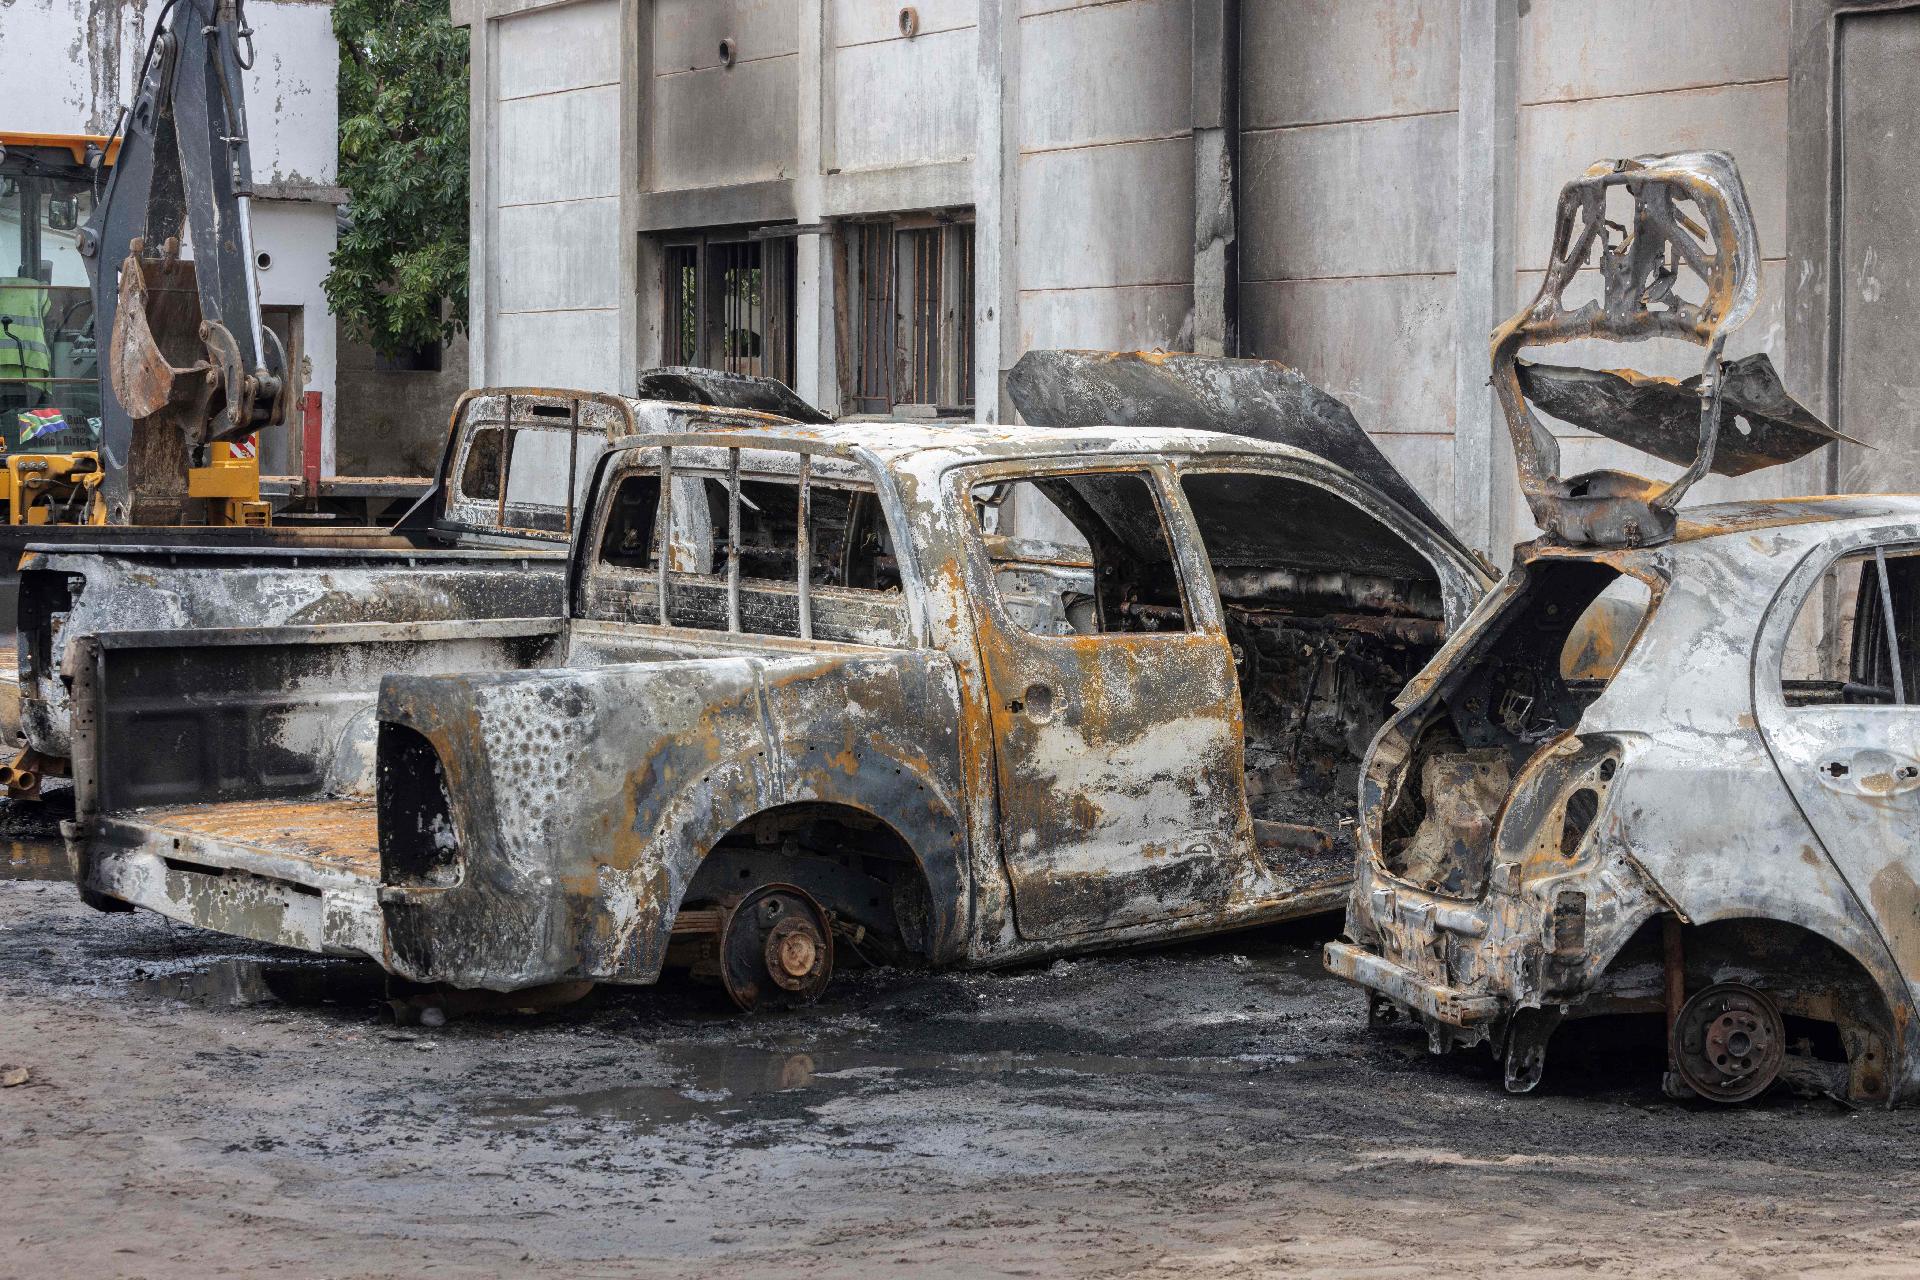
(198, 1107)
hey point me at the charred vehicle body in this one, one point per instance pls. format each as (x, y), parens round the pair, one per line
(1669, 766)
(815, 688)
(488, 540)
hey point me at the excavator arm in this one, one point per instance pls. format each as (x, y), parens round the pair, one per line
(187, 360)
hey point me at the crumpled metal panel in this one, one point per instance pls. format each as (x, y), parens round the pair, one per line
(1692, 234)
(1688, 792)
(1661, 416)
(1263, 399)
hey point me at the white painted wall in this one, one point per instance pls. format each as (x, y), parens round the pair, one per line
(299, 235)
(292, 92)
(69, 63)
(292, 104)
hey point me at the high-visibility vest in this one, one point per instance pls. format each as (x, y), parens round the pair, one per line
(24, 306)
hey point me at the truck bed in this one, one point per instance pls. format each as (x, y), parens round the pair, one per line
(299, 874)
(307, 841)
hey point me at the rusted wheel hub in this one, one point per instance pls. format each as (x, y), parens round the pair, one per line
(1729, 1042)
(776, 949)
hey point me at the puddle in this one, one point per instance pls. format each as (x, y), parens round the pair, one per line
(33, 860)
(720, 1082)
(238, 983)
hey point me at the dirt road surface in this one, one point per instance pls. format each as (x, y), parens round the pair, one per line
(199, 1107)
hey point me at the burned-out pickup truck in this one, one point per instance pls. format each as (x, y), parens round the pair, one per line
(815, 689)
(488, 540)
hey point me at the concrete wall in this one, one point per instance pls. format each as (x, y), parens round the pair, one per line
(1587, 89)
(550, 153)
(711, 125)
(1351, 199)
(1347, 201)
(1398, 163)
(926, 82)
(1105, 240)
(395, 423)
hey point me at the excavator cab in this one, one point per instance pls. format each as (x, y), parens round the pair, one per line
(50, 398)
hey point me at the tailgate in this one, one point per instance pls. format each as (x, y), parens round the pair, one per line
(176, 718)
(224, 777)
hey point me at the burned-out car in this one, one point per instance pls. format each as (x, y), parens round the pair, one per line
(1669, 765)
(946, 693)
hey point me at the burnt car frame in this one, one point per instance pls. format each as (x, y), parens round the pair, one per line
(789, 733)
(1672, 764)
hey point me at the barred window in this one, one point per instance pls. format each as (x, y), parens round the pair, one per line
(909, 321)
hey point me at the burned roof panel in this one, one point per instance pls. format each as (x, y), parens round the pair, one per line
(686, 384)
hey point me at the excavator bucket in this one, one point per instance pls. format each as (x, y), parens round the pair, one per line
(157, 366)
(184, 347)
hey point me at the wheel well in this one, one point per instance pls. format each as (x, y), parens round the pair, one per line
(1808, 975)
(854, 864)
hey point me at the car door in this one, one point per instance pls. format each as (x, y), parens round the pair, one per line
(1115, 713)
(1842, 722)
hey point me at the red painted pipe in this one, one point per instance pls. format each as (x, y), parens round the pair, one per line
(310, 445)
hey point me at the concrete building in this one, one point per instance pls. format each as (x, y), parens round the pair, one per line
(888, 203)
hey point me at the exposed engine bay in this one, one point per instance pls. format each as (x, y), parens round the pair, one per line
(1317, 680)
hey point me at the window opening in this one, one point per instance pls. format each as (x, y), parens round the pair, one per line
(682, 330)
(49, 356)
(749, 534)
(729, 304)
(1111, 522)
(1856, 636)
(531, 477)
(911, 292)
(873, 370)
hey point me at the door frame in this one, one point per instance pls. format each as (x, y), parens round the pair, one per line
(1771, 712)
(1204, 616)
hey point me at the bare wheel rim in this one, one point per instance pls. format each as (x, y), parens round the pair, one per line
(1729, 1042)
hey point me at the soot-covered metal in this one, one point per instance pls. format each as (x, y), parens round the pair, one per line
(805, 702)
(1671, 774)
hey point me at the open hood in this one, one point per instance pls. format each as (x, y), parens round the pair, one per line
(1263, 399)
(1687, 268)
(685, 384)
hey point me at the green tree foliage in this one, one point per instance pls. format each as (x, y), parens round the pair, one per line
(399, 278)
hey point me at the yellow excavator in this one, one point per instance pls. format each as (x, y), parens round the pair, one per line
(55, 393)
(135, 370)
